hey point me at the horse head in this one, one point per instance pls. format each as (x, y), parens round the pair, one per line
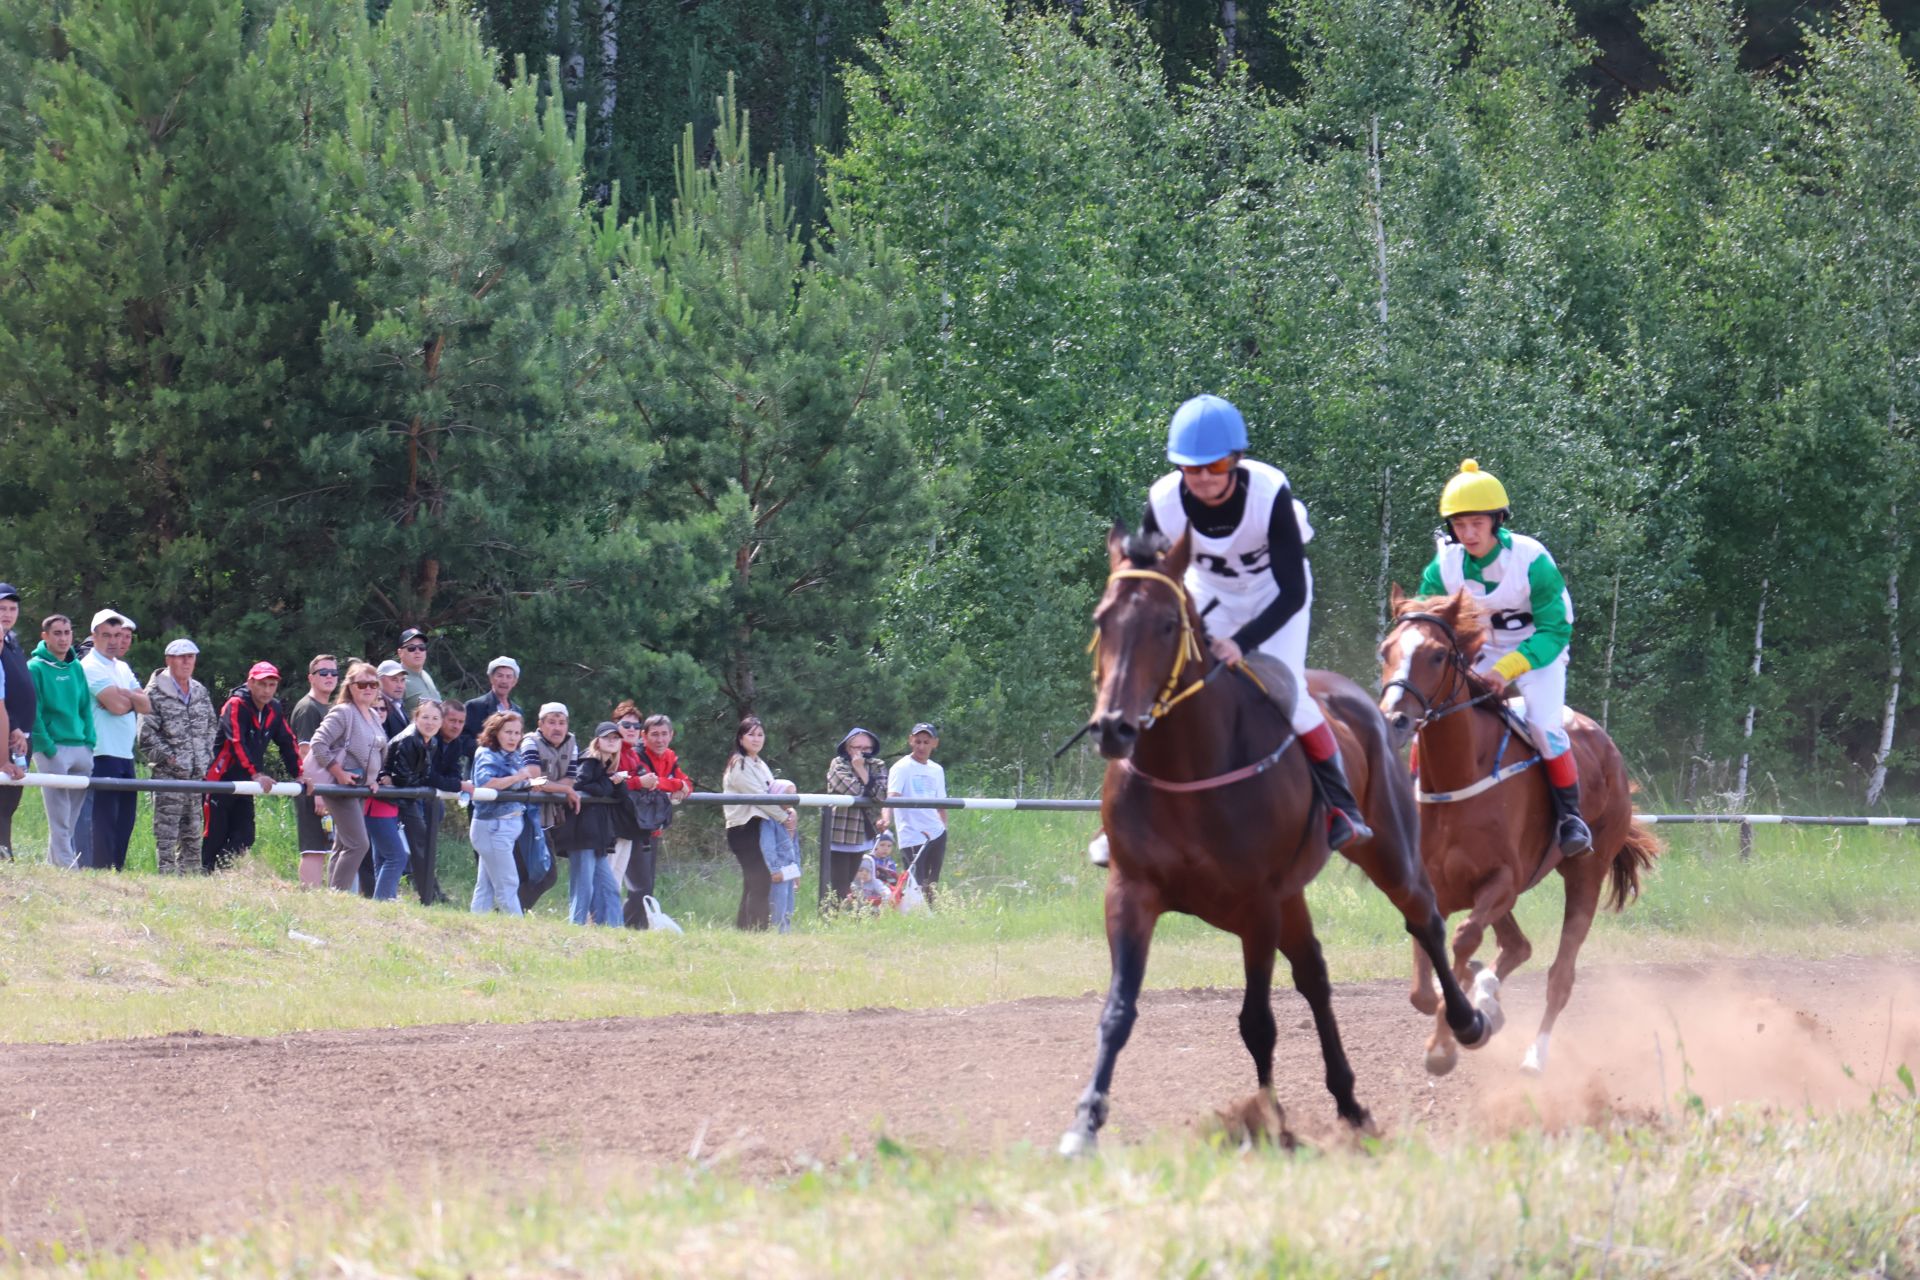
(1145, 636)
(1429, 648)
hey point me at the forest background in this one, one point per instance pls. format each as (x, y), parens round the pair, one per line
(324, 318)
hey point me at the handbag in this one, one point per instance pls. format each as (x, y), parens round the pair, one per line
(652, 810)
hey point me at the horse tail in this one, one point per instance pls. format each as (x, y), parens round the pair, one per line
(1636, 855)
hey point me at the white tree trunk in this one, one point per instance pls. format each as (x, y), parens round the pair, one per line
(1386, 548)
(1379, 215)
(1230, 34)
(1877, 784)
(1759, 646)
(1386, 475)
(1606, 670)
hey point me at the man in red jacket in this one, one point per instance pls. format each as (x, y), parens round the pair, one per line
(651, 766)
(250, 724)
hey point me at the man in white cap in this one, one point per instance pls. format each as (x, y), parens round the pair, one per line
(503, 676)
(119, 702)
(177, 737)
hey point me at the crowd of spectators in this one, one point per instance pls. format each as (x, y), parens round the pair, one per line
(81, 710)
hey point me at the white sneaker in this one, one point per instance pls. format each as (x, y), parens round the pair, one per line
(1097, 850)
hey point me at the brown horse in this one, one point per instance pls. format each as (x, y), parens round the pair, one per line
(1486, 842)
(1209, 811)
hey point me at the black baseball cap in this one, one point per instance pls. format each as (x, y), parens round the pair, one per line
(927, 727)
(410, 634)
(8, 591)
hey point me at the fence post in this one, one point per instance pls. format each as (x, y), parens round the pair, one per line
(1746, 841)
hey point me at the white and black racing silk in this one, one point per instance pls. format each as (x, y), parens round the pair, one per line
(1256, 560)
(1237, 564)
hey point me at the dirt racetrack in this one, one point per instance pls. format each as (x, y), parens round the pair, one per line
(146, 1140)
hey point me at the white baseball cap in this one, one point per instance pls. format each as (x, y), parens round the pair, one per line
(112, 617)
(553, 709)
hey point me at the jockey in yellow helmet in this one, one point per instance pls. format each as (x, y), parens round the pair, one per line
(1529, 623)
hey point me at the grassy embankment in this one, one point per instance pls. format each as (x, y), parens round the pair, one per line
(91, 956)
(1735, 1194)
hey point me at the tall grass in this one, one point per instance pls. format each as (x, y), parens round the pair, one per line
(1742, 1193)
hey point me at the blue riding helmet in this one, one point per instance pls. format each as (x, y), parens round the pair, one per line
(1205, 429)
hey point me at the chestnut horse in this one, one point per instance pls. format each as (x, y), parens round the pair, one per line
(1487, 823)
(1209, 811)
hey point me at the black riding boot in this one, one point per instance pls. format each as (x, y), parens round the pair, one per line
(1344, 823)
(1575, 838)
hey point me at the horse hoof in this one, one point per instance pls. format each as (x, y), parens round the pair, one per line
(1476, 1033)
(1535, 1061)
(1439, 1062)
(1075, 1145)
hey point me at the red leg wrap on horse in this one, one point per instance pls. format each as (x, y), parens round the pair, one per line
(1561, 770)
(1320, 744)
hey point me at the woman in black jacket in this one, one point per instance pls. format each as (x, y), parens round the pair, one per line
(410, 764)
(587, 838)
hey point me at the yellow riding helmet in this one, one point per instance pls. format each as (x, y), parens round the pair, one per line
(1473, 490)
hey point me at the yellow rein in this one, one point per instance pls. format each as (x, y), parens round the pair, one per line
(1189, 649)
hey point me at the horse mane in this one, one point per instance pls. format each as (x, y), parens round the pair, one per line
(1143, 550)
(1469, 621)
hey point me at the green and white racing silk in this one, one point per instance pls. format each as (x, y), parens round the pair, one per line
(1529, 613)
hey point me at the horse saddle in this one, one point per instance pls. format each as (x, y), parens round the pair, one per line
(1272, 676)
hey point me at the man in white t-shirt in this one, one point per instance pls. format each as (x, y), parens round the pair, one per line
(119, 702)
(922, 833)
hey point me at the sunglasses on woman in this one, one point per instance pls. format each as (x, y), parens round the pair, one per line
(366, 684)
(629, 724)
(1218, 467)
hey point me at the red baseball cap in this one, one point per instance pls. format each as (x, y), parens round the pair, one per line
(263, 671)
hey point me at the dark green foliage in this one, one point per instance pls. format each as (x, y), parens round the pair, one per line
(766, 380)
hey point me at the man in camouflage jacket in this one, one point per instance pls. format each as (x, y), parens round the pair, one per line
(177, 739)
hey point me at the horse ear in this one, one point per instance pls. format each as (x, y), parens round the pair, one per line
(1395, 598)
(1177, 558)
(1116, 545)
(1457, 604)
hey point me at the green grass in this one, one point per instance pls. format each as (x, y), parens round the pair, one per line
(85, 955)
(1742, 1193)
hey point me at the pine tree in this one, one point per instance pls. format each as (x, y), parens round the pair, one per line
(766, 380)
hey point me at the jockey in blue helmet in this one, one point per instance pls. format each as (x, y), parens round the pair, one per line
(1249, 571)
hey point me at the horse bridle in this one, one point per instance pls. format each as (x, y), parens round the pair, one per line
(1463, 673)
(1189, 650)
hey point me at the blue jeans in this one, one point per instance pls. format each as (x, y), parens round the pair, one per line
(591, 888)
(389, 856)
(780, 847)
(497, 883)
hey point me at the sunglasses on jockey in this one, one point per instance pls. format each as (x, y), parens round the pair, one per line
(1218, 467)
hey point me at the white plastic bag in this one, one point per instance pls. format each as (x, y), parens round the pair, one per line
(656, 918)
(913, 897)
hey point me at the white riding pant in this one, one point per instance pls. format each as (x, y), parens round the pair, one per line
(1288, 644)
(1545, 690)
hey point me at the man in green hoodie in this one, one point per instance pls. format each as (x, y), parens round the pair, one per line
(62, 731)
